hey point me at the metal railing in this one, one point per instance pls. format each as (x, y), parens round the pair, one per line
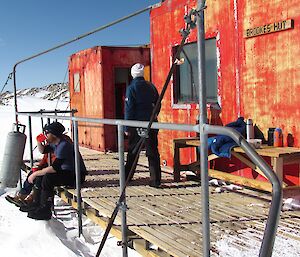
(203, 129)
(272, 222)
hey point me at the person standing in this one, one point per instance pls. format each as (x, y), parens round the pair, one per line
(60, 173)
(141, 97)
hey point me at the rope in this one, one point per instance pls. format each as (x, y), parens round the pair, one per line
(5, 84)
(62, 84)
(87, 34)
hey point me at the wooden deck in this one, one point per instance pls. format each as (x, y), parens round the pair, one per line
(170, 217)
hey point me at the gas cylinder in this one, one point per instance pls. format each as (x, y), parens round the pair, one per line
(12, 159)
(278, 137)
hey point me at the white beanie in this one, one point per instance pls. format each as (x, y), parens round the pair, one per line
(137, 70)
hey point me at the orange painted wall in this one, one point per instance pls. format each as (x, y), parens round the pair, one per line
(258, 77)
(96, 98)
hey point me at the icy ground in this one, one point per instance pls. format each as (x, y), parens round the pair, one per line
(21, 236)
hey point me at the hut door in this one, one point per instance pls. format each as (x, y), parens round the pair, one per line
(120, 90)
(122, 79)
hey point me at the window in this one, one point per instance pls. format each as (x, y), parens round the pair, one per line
(76, 82)
(186, 76)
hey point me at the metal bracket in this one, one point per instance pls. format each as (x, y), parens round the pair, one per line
(191, 21)
(142, 132)
(122, 206)
(128, 243)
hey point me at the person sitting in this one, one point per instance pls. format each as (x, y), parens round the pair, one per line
(29, 193)
(60, 173)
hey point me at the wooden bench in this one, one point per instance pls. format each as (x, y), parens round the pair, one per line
(279, 156)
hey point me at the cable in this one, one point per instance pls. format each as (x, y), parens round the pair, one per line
(63, 83)
(5, 84)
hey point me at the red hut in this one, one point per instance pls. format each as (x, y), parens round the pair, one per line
(98, 78)
(252, 64)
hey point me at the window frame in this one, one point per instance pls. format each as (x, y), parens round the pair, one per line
(176, 102)
(76, 82)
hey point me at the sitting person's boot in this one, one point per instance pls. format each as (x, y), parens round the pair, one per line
(44, 211)
(28, 207)
(18, 199)
(30, 198)
(32, 201)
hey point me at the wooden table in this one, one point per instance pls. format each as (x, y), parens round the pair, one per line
(279, 156)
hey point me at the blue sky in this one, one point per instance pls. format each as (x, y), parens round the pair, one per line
(31, 26)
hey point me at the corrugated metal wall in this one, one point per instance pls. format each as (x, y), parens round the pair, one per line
(258, 77)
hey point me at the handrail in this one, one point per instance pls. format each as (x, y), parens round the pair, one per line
(129, 123)
(274, 211)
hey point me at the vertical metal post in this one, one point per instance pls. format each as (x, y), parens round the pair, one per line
(123, 205)
(72, 130)
(78, 177)
(30, 141)
(203, 135)
(49, 154)
(15, 96)
(42, 120)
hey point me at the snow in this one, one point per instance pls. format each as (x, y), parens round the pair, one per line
(22, 236)
(282, 246)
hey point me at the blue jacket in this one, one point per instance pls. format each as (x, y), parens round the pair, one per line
(221, 145)
(141, 97)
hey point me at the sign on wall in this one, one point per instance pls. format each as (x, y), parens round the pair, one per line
(269, 28)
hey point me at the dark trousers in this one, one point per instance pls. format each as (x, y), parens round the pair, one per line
(152, 153)
(60, 178)
(27, 187)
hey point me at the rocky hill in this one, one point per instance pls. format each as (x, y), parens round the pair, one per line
(57, 91)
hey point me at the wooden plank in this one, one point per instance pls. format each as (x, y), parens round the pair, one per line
(261, 185)
(163, 242)
(270, 151)
(165, 214)
(140, 245)
(243, 208)
(183, 241)
(277, 164)
(248, 163)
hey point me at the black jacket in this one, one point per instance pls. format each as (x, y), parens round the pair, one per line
(141, 97)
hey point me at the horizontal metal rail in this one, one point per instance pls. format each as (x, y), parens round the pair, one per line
(274, 211)
(115, 122)
(50, 111)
